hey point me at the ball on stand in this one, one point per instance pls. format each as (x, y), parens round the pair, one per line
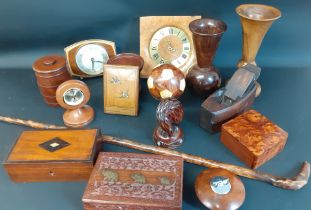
(167, 83)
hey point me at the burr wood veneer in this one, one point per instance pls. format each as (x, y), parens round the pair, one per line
(253, 138)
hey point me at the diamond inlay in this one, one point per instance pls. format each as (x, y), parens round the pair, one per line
(54, 144)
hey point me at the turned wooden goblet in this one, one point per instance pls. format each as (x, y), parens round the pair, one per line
(256, 20)
(203, 78)
(166, 83)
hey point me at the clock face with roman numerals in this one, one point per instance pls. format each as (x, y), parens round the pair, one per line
(170, 45)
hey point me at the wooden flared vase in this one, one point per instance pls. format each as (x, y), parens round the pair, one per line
(256, 19)
(203, 79)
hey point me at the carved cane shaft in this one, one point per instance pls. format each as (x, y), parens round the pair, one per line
(30, 123)
(292, 184)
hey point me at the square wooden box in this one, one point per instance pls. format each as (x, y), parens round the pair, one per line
(46, 156)
(135, 181)
(253, 138)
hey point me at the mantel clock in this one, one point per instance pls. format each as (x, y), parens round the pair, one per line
(166, 40)
(87, 58)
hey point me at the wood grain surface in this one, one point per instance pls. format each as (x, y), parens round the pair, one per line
(121, 89)
(253, 138)
(28, 161)
(149, 25)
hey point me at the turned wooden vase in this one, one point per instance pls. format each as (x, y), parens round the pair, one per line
(203, 78)
(256, 19)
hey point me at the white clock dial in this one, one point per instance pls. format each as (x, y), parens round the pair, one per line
(170, 45)
(73, 96)
(91, 58)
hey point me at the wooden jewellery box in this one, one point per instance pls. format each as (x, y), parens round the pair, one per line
(253, 138)
(135, 182)
(47, 156)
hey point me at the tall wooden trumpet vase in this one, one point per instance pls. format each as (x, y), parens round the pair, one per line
(256, 19)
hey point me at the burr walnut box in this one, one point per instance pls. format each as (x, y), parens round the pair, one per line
(253, 138)
(134, 182)
(47, 156)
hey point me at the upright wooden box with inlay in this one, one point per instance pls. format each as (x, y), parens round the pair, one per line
(135, 182)
(46, 156)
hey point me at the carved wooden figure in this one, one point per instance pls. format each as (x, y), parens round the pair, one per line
(135, 181)
(166, 83)
(203, 78)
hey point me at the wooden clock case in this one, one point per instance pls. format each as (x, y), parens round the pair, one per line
(151, 24)
(72, 50)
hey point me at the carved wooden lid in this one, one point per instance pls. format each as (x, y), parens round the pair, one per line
(131, 180)
(219, 189)
(49, 64)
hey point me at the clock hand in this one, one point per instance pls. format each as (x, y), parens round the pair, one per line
(170, 48)
(98, 61)
(92, 59)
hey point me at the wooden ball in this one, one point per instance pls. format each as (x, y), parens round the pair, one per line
(166, 82)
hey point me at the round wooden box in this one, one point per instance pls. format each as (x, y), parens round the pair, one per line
(50, 72)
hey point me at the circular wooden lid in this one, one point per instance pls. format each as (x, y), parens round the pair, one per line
(49, 64)
(219, 189)
(130, 59)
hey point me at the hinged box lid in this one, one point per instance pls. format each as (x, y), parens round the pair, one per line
(53, 155)
(48, 145)
(128, 179)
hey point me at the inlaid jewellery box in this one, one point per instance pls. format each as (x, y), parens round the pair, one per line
(47, 156)
(135, 182)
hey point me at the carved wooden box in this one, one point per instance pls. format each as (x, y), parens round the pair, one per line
(134, 182)
(44, 156)
(253, 138)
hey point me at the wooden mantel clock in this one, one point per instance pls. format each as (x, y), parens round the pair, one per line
(166, 40)
(73, 96)
(87, 58)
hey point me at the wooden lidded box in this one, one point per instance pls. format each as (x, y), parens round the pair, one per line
(134, 182)
(50, 72)
(62, 155)
(253, 138)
